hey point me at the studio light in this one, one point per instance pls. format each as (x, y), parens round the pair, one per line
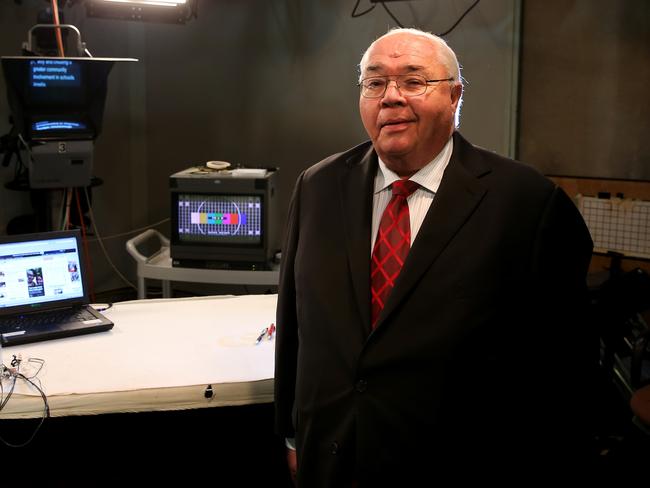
(160, 3)
(173, 11)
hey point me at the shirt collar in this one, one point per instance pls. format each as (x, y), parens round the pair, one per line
(428, 177)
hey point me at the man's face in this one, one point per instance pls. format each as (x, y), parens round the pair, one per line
(408, 132)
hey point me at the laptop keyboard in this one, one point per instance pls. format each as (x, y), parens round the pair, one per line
(35, 320)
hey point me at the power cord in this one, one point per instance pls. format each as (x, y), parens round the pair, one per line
(12, 375)
(101, 244)
(101, 307)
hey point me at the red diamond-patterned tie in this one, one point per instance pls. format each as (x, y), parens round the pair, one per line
(391, 246)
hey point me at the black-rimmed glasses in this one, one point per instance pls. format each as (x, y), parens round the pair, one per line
(408, 85)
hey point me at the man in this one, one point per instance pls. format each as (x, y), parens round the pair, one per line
(467, 357)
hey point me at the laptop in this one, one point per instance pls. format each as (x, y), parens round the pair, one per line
(43, 289)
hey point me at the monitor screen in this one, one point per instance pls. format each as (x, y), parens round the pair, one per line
(56, 125)
(39, 270)
(218, 218)
(54, 84)
(64, 74)
(57, 98)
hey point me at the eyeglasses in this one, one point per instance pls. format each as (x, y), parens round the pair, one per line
(408, 85)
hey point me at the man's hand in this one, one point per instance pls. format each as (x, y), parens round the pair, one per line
(292, 462)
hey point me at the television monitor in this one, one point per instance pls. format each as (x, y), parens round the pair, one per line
(57, 106)
(57, 98)
(224, 219)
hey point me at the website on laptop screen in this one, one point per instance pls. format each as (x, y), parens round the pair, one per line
(39, 271)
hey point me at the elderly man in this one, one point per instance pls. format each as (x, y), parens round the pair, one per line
(431, 295)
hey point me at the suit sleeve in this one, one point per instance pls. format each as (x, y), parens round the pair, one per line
(566, 341)
(286, 347)
(563, 243)
(561, 258)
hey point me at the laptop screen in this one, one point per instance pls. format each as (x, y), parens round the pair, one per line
(40, 271)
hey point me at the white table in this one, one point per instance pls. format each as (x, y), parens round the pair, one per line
(161, 355)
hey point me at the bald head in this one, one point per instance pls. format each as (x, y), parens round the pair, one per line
(444, 53)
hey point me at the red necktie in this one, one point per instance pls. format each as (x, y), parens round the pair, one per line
(391, 247)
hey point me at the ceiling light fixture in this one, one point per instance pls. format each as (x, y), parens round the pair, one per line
(160, 3)
(172, 11)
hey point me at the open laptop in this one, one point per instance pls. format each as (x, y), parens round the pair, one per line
(43, 289)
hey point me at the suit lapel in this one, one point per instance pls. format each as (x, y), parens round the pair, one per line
(458, 196)
(356, 188)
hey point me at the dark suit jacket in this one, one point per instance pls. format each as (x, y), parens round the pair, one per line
(479, 355)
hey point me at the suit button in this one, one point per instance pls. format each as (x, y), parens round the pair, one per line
(334, 448)
(361, 386)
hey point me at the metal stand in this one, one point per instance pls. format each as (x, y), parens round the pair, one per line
(159, 266)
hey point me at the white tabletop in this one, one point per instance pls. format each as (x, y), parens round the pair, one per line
(160, 355)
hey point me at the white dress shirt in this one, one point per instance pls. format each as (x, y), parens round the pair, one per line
(419, 201)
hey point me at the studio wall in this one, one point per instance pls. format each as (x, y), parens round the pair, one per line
(255, 83)
(585, 105)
